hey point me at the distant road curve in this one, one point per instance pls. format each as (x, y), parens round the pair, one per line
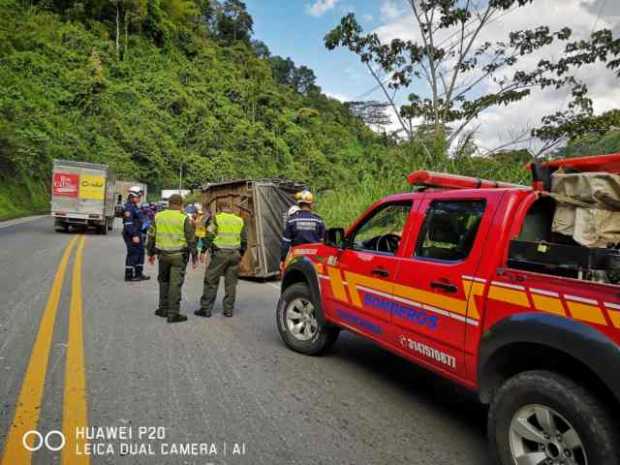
(25, 219)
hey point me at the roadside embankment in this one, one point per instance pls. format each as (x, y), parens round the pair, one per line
(22, 197)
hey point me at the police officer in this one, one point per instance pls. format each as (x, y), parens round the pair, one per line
(227, 237)
(133, 224)
(172, 238)
(303, 227)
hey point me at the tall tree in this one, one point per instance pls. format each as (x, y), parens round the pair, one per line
(372, 112)
(301, 78)
(152, 25)
(452, 62)
(282, 69)
(234, 22)
(261, 49)
(304, 80)
(127, 13)
(600, 47)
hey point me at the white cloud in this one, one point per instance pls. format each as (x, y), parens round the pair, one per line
(320, 7)
(499, 125)
(368, 18)
(346, 9)
(340, 97)
(390, 10)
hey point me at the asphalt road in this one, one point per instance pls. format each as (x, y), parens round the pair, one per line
(228, 383)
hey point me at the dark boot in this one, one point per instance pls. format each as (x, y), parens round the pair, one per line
(203, 313)
(228, 313)
(139, 276)
(176, 318)
(128, 274)
(161, 313)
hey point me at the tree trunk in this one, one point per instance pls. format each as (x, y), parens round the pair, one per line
(126, 47)
(118, 53)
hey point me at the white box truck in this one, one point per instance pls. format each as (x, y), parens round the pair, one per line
(82, 195)
(122, 190)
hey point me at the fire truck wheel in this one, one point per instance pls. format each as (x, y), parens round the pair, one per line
(298, 323)
(540, 417)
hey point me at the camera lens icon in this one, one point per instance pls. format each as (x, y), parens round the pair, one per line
(53, 441)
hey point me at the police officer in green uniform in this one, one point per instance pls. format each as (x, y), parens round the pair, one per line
(172, 238)
(227, 238)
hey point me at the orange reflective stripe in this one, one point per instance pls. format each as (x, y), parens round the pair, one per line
(338, 289)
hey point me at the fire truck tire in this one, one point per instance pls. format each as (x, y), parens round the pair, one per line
(298, 323)
(552, 420)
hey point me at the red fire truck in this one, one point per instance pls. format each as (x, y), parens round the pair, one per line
(508, 290)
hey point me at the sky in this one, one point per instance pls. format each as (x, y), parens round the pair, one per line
(295, 29)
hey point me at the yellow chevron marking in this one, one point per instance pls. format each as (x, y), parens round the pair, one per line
(511, 296)
(472, 290)
(355, 280)
(340, 293)
(585, 312)
(548, 304)
(614, 316)
(320, 269)
(431, 298)
(405, 292)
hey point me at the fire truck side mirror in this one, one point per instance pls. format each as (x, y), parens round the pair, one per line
(335, 238)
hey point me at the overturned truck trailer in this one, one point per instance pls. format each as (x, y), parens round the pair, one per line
(263, 206)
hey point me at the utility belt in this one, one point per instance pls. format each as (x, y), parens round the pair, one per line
(224, 249)
(180, 251)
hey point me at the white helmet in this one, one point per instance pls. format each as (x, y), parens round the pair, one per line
(294, 209)
(135, 191)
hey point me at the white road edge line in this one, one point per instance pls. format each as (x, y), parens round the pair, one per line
(16, 221)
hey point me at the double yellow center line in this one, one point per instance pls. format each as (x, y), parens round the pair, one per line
(29, 403)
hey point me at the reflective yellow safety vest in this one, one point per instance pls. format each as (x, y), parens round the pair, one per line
(201, 229)
(229, 229)
(170, 231)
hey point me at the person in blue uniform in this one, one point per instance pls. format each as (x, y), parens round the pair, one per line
(302, 227)
(133, 235)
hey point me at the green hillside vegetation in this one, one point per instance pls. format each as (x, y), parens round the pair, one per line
(605, 141)
(195, 100)
(150, 86)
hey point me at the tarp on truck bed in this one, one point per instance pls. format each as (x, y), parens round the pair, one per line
(263, 206)
(588, 207)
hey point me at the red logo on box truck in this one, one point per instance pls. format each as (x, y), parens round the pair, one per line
(66, 184)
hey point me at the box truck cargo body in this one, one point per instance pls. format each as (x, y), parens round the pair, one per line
(122, 190)
(82, 195)
(263, 205)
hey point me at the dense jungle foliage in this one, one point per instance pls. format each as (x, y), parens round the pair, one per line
(150, 87)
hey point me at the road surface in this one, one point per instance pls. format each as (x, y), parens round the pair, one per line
(84, 348)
